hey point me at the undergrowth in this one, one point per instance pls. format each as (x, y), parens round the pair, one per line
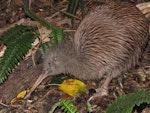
(18, 41)
(126, 103)
(123, 104)
(65, 105)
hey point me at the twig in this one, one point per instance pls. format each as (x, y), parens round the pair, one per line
(4, 104)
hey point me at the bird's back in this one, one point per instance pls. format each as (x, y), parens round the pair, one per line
(111, 38)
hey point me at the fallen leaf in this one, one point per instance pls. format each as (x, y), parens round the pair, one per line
(72, 87)
(18, 2)
(22, 94)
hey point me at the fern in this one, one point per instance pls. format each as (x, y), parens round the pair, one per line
(73, 6)
(18, 41)
(57, 36)
(57, 33)
(8, 36)
(125, 103)
(65, 105)
(43, 48)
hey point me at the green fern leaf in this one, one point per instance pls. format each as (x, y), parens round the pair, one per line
(125, 103)
(44, 47)
(68, 107)
(16, 49)
(57, 36)
(57, 33)
(8, 36)
(73, 6)
(65, 105)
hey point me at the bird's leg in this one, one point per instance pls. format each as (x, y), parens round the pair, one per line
(38, 81)
(103, 90)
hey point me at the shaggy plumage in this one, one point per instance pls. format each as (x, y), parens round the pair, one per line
(109, 41)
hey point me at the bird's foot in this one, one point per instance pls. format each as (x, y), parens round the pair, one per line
(99, 93)
(103, 90)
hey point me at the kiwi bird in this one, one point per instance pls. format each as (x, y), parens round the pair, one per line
(108, 42)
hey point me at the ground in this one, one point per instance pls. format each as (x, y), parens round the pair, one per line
(24, 75)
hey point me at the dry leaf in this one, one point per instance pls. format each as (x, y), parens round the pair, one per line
(18, 2)
(72, 87)
(22, 94)
(46, 2)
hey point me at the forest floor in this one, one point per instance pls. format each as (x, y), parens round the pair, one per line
(24, 75)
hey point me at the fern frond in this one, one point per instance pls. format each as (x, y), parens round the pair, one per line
(43, 22)
(16, 49)
(57, 36)
(65, 105)
(73, 6)
(125, 103)
(68, 107)
(57, 33)
(8, 36)
(44, 47)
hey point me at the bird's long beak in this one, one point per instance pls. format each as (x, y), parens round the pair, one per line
(38, 81)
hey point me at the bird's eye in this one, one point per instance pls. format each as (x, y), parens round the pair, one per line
(49, 63)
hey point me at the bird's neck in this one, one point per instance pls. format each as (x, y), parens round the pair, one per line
(73, 66)
(74, 63)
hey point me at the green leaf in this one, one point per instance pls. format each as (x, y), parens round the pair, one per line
(125, 103)
(44, 47)
(57, 33)
(65, 105)
(73, 6)
(57, 36)
(17, 46)
(8, 36)
(58, 79)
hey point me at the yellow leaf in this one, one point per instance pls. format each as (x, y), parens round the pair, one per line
(72, 87)
(22, 94)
